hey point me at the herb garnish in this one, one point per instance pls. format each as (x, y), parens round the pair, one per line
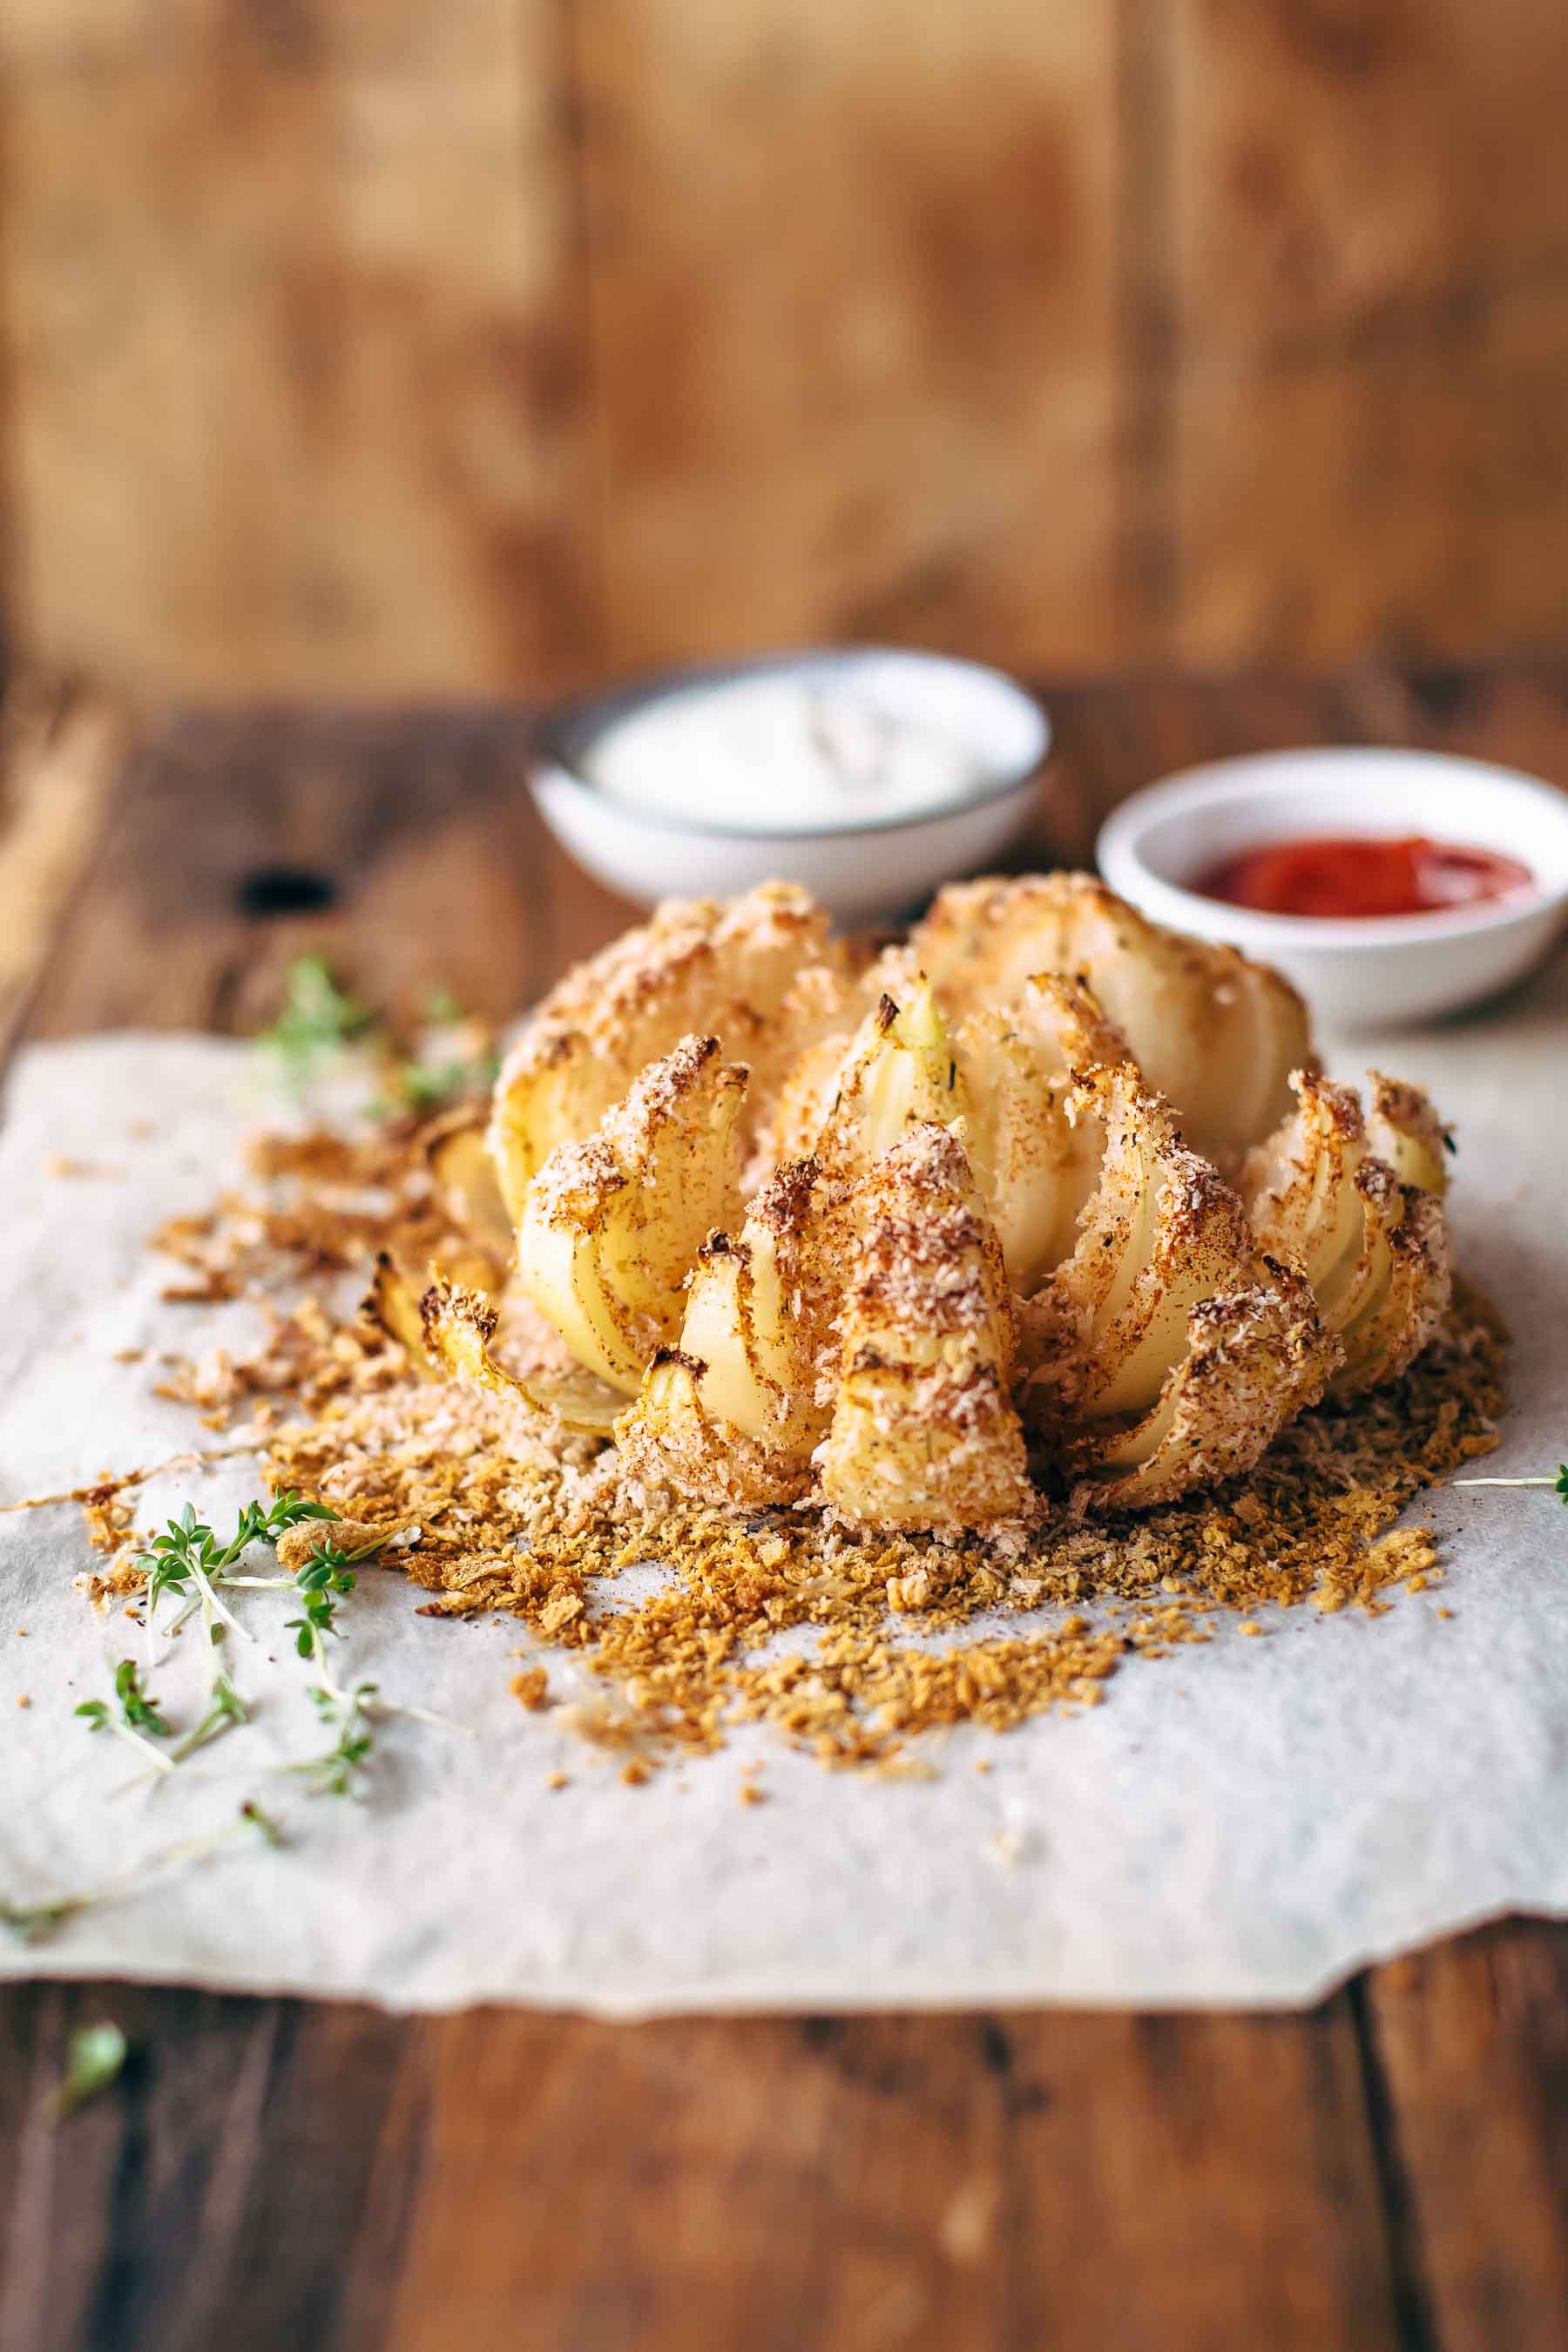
(189, 1554)
(1558, 1484)
(340, 1770)
(29, 1922)
(318, 1019)
(325, 1576)
(95, 2056)
(135, 1718)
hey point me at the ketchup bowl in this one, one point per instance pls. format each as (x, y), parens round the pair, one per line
(1473, 828)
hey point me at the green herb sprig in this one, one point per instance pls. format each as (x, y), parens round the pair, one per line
(30, 1922)
(95, 2058)
(133, 1717)
(318, 1020)
(226, 1712)
(188, 1559)
(321, 1018)
(340, 1770)
(1559, 1485)
(325, 1578)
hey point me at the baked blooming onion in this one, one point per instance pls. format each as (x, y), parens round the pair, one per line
(1043, 1203)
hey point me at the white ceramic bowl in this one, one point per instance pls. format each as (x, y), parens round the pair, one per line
(861, 871)
(1367, 972)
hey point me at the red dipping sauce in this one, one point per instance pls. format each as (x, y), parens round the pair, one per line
(1341, 876)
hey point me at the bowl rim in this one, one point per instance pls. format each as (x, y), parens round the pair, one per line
(1256, 777)
(560, 733)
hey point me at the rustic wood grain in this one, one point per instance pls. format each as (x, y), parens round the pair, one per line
(294, 348)
(381, 351)
(1385, 2171)
(1472, 2041)
(1370, 344)
(61, 754)
(853, 353)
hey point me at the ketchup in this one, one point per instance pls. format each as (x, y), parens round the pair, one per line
(1335, 876)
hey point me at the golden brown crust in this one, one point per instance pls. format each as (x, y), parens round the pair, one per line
(1210, 1029)
(858, 1320)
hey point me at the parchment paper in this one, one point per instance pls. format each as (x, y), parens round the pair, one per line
(1242, 1824)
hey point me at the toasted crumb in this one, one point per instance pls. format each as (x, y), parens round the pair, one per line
(556, 1781)
(752, 1795)
(781, 1620)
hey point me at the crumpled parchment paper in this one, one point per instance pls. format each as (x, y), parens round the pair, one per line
(1242, 1823)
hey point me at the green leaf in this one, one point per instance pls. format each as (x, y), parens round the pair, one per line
(137, 1706)
(318, 1020)
(95, 2056)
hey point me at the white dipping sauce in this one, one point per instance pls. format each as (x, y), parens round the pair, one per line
(821, 745)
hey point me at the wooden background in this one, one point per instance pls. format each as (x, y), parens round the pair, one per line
(395, 347)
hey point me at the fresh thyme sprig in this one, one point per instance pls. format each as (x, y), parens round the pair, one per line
(1559, 1483)
(29, 1922)
(134, 1718)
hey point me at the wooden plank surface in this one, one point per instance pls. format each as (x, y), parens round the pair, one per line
(391, 348)
(293, 346)
(854, 329)
(1387, 2171)
(1369, 329)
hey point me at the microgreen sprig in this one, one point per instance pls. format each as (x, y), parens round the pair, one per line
(29, 1922)
(188, 1554)
(95, 2058)
(134, 1718)
(321, 1583)
(226, 1711)
(1559, 1485)
(318, 1020)
(340, 1770)
(430, 1086)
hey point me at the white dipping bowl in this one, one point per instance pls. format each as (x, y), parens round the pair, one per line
(859, 871)
(1364, 972)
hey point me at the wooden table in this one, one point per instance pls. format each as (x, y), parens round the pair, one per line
(1389, 2170)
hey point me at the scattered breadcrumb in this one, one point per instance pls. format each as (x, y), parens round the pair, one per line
(854, 1646)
